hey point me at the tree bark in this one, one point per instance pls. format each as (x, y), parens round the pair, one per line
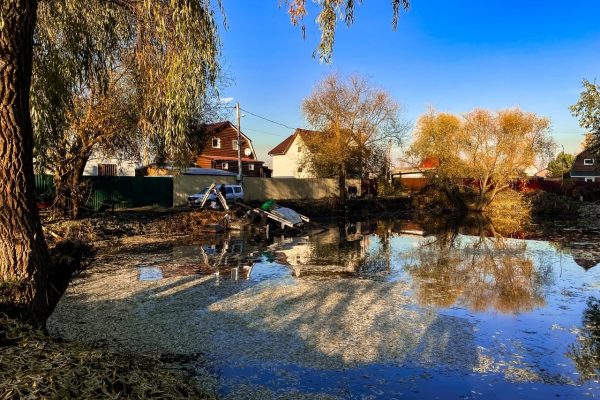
(24, 258)
(77, 191)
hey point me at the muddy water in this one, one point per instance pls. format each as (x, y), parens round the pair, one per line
(375, 309)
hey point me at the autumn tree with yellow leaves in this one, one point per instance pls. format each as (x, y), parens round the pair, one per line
(480, 153)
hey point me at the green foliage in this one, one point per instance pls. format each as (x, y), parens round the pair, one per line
(162, 57)
(560, 165)
(587, 109)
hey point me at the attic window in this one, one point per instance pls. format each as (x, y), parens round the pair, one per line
(216, 143)
(588, 161)
(234, 144)
(299, 149)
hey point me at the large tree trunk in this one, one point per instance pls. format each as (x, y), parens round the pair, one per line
(24, 259)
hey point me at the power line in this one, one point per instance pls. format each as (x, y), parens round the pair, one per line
(269, 120)
(265, 133)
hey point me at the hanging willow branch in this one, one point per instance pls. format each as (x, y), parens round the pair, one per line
(331, 11)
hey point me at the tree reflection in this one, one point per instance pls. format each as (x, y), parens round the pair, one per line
(469, 261)
(585, 353)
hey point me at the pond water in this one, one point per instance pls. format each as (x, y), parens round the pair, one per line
(372, 309)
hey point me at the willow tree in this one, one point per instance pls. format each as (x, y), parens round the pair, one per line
(173, 49)
(355, 121)
(176, 52)
(481, 153)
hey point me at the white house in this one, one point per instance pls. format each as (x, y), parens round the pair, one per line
(288, 155)
(98, 165)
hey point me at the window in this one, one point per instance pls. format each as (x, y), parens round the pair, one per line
(216, 143)
(234, 144)
(299, 149)
(225, 165)
(228, 190)
(250, 167)
(107, 169)
(587, 179)
(299, 169)
(588, 161)
(237, 189)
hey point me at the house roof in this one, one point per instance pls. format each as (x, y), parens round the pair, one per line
(283, 147)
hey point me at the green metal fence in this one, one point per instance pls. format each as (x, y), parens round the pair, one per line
(119, 191)
(44, 188)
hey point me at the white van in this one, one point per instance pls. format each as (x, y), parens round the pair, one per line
(232, 193)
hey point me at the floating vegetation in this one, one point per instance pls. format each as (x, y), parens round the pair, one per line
(33, 366)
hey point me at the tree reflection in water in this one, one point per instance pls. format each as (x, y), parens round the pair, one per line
(471, 262)
(585, 353)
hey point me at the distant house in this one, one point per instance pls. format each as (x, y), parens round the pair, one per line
(288, 155)
(409, 170)
(543, 173)
(530, 171)
(99, 165)
(585, 168)
(221, 151)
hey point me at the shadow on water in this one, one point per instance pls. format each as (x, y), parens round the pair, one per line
(374, 299)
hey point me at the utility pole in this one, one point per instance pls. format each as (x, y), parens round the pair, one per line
(389, 162)
(563, 174)
(239, 142)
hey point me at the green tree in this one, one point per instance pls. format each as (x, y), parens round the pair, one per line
(481, 153)
(354, 121)
(587, 109)
(177, 43)
(560, 165)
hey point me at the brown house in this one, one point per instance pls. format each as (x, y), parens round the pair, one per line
(585, 168)
(221, 151)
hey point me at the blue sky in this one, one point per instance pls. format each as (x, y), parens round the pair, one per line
(452, 55)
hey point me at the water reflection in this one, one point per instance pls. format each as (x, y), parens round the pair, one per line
(481, 270)
(470, 261)
(585, 353)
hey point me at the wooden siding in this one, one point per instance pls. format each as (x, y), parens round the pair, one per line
(227, 135)
(579, 166)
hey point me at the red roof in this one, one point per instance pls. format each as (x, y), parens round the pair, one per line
(284, 146)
